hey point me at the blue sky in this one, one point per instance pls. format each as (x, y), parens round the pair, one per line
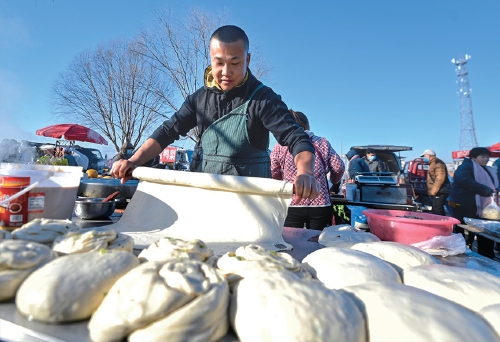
(364, 72)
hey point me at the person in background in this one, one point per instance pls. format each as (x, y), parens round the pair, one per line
(474, 184)
(355, 165)
(69, 157)
(234, 114)
(81, 159)
(374, 164)
(125, 152)
(438, 184)
(496, 166)
(312, 213)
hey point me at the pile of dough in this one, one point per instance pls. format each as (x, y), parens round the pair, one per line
(339, 267)
(17, 260)
(492, 314)
(168, 301)
(344, 238)
(84, 240)
(44, 230)
(168, 248)
(5, 234)
(254, 258)
(280, 306)
(471, 288)
(70, 288)
(400, 256)
(396, 312)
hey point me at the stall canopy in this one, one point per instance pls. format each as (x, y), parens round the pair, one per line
(495, 152)
(72, 132)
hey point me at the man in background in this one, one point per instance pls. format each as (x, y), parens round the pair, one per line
(374, 164)
(438, 185)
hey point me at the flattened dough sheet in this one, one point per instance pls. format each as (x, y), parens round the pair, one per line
(224, 211)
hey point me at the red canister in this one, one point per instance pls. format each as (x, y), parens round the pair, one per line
(14, 213)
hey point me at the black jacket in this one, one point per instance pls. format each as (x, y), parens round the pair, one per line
(267, 113)
(464, 187)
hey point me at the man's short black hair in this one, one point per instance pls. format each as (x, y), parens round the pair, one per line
(477, 151)
(230, 34)
(370, 151)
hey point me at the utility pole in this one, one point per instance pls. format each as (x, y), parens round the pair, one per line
(468, 138)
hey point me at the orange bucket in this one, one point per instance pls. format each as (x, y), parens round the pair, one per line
(13, 214)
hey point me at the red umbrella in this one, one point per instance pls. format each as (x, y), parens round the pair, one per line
(72, 132)
(495, 152)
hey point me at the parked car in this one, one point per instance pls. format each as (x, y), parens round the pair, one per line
(388, 154)
(96, 160)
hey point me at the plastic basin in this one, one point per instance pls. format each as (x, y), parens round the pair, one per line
(407, 226)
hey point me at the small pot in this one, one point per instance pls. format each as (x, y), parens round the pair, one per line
(94, 208)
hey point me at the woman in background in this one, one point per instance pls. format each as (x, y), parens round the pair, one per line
(473, 186)
(310, 213)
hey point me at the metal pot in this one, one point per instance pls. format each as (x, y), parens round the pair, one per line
(103, 187)
(94, 208)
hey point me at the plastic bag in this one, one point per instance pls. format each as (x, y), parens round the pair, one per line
(492, 210)
(358, 220)
(443, 245)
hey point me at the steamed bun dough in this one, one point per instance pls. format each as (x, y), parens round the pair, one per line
(173, 300)
(17, 260)
(252, 258)
(396, 312)
(44, 230)
(168, 248)
(70, 288)
(471, 288)
(398, 255)
(344, 238)
(84, 240)
(122, 242)
(339, 267)
(280, 306)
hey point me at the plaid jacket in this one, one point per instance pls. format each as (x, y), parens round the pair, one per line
(326, 161)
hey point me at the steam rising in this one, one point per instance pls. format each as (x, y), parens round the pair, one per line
(12, 151)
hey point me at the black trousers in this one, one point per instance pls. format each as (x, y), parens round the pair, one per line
(484, 245)
(309, 217)
(438, 203)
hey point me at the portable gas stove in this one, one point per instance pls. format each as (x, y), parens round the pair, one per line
(380, 187)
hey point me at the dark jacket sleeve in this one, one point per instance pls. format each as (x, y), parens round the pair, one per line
(465, 187)
(179, 124)
(276, 118)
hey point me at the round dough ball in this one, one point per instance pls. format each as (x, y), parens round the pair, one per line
(168, 248)
(44, 230)
(280, 306)
(340, 267)
(153, 291)
(398, 255)
(396, 312)
(345, 238)
(84, 240)
(471, 288)
(18, 259)
(71, 287)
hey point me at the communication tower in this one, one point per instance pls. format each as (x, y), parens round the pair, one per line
(467, 131)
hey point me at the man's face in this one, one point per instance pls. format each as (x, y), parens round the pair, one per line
(370, 156)
(229, 63)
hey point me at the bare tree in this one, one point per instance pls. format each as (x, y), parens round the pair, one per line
(180, 50)
(114, 90)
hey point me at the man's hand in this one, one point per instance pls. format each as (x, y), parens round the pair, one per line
(306, 186)
(122, 169)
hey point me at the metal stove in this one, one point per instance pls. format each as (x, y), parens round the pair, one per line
(380, 187)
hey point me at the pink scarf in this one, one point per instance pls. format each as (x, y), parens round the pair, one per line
(481, 176)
